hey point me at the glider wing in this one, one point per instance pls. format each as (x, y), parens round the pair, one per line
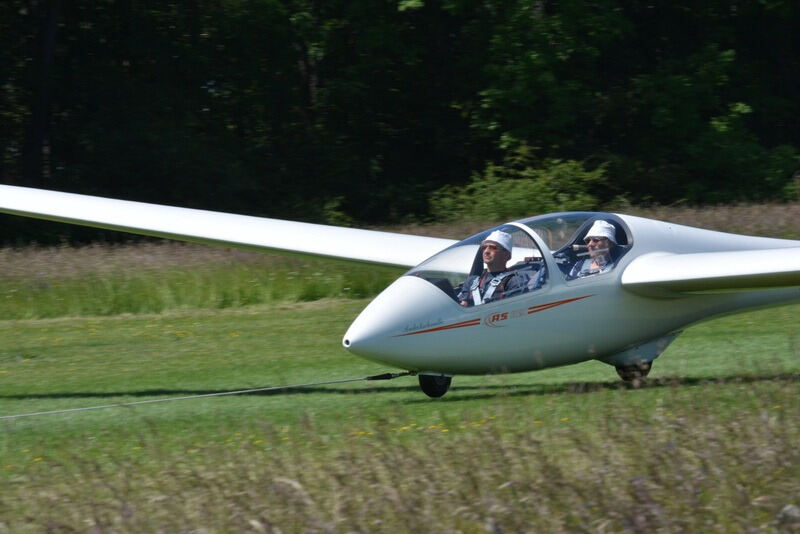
(713, 272)
(219, 228)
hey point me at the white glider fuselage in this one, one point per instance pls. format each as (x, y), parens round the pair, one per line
(415, 325)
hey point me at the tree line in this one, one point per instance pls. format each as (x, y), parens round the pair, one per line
(363, 112)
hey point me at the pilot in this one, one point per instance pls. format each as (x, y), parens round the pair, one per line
(496, 281)
(600, 241)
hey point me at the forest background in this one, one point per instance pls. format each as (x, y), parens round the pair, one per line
(399, 111)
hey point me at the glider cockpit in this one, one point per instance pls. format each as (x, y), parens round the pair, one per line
(543, 247)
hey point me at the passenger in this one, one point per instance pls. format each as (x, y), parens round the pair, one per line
(600, 241)
(496, 281)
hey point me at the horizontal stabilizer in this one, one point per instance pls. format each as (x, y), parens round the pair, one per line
(218, 228)
(713, 272)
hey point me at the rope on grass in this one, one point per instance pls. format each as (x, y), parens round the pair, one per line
(384, 376)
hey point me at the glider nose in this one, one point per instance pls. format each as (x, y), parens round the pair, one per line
(409, 304)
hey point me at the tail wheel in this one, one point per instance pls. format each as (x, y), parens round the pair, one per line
(434, 386)
(635, 372)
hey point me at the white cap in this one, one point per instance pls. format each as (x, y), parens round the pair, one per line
(602, 229)
(501, 238)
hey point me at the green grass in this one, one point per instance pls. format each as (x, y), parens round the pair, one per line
(164, 276)
(708, 444)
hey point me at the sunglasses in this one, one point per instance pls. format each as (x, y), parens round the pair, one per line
(489, 246)
(595, 239)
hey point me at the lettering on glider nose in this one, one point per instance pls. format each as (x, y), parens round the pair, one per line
(423, 325)
(491, 320)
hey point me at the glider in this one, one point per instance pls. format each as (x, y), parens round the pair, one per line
(558, 299)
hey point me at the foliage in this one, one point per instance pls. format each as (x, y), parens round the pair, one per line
(358, 112)
(520, 187)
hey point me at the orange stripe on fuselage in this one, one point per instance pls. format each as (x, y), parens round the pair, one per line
(542, 307)
(477, 321)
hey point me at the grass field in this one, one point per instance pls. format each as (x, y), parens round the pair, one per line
(709, 444)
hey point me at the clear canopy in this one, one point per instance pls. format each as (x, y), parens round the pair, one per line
(562, 237)
(559, 229)
(450, 269)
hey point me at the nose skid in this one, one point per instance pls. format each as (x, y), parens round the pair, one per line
(410, 304)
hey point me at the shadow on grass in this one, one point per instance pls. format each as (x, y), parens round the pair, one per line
(456, 393)
(577, 388)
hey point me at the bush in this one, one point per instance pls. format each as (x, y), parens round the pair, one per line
(735, 165)
(518, 188)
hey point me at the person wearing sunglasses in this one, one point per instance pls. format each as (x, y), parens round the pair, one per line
(496, 281)
(600, 241)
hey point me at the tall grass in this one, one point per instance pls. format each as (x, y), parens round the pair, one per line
(768, 220)
(153, 277)
(157, 277)
(657, 469)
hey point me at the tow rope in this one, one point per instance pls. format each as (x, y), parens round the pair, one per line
(384, 376)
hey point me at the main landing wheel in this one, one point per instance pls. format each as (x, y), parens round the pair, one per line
(635, 372)
(434, 386)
